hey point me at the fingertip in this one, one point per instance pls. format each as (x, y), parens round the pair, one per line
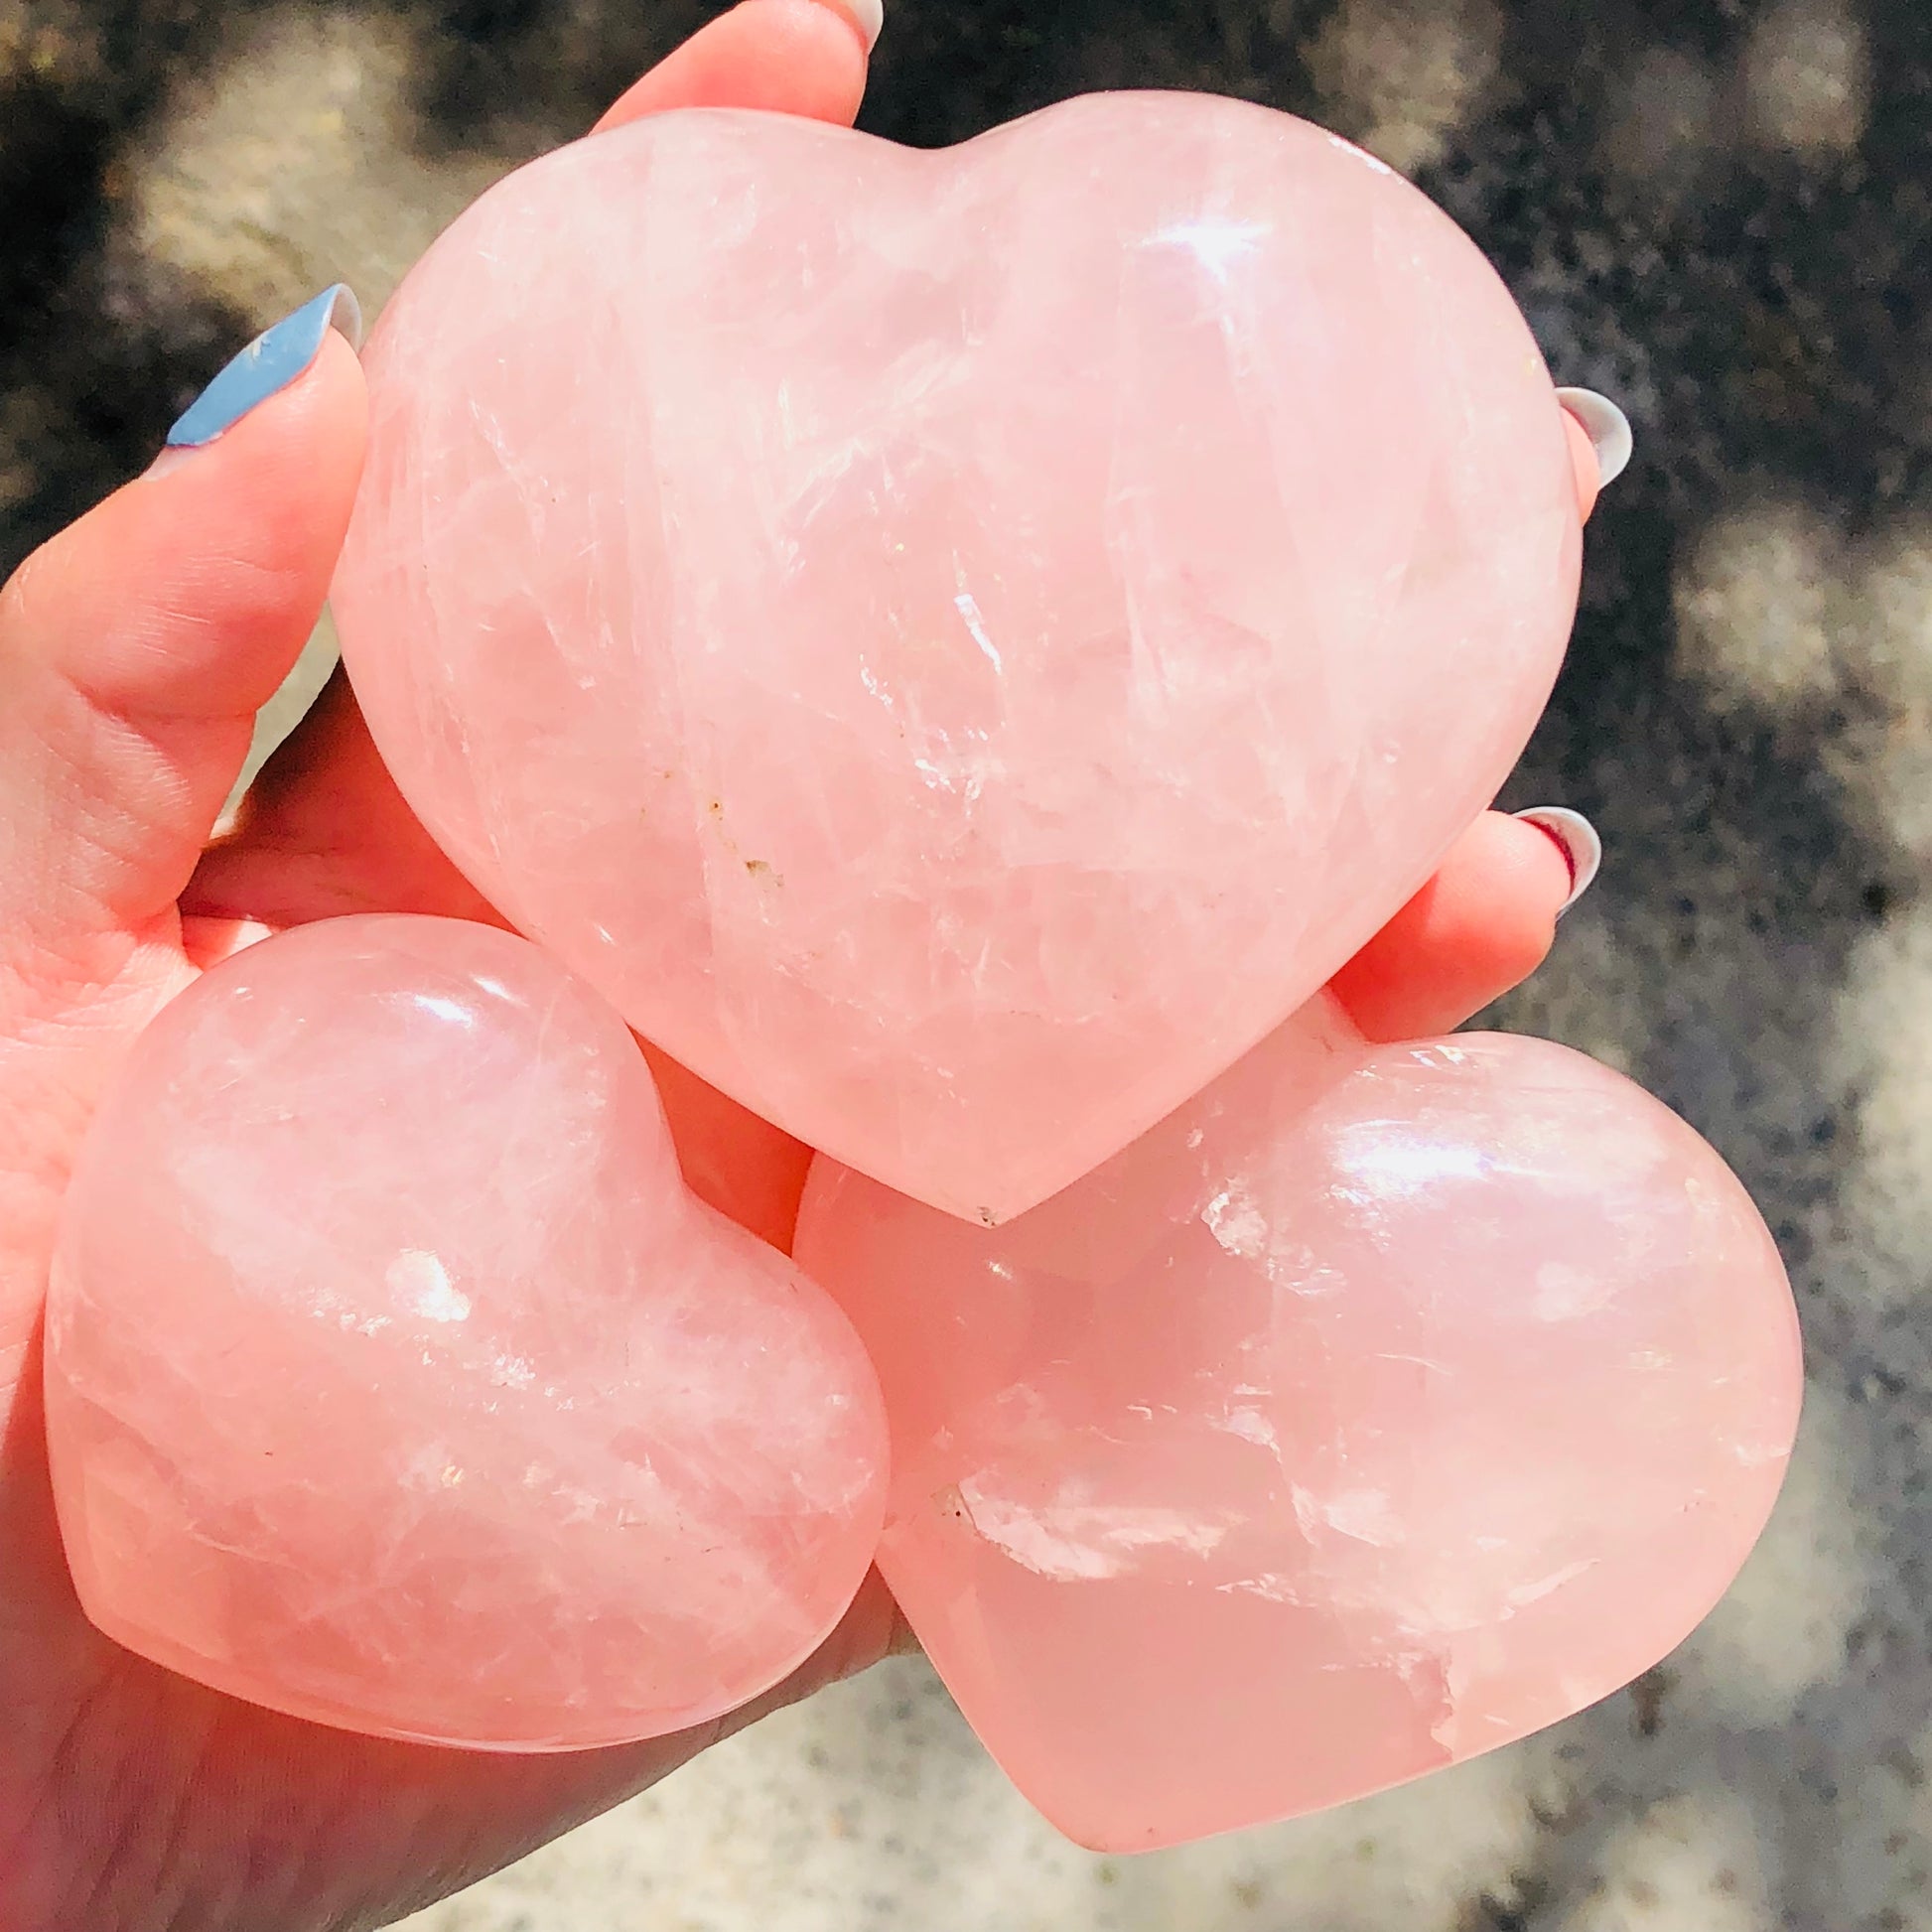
(866, 18)
(1602, 441)
(276, 358)
(1480, 926)
(1506, 863)
(310, 434)
(1582, 461)
(1576, 838)
(1498, 898)
(804, 58)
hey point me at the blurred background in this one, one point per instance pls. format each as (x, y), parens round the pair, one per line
(1717, 211)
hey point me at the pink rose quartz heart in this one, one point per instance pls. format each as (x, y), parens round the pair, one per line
(957, 647)
(396, 1381)
(1380, 1406)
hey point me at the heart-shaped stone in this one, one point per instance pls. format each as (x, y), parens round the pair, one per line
(394, 1380)
(1380, 1406)
(957, 647)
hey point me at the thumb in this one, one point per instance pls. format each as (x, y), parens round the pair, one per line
(138, 644)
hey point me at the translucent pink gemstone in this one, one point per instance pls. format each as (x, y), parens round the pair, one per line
(394, 1380)
(1380, 1406)
(957, 647)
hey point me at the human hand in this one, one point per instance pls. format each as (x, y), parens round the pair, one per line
(134, 652)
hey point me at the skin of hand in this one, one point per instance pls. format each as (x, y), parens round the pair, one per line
(135, 649)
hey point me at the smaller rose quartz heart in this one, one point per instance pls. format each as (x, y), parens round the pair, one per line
(1377, 1408)
(394, 1380)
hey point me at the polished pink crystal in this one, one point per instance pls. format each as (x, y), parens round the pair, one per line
(394, 1379)
(957, 647)
(1380, 1406)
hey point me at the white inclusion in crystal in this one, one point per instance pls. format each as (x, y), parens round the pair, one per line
(1271, 1583)
(452, 1009)
(1525, 1593)
(1563, 1293)
(970, 611)
(1075, 1541)
(1361, 1515)
(1251, 1425)
(1216, 245)
(421, 1284)
(1236, 1222)
(584, 1504)
(433, 1467)
(1241, 1227)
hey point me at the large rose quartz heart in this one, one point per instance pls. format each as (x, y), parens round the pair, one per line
(396, 1381)
(957, 647)
(1379, 1407)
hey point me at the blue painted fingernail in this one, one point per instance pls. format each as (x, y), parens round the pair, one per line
(267, 366)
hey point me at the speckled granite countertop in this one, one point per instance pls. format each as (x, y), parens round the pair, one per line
(1721, 212)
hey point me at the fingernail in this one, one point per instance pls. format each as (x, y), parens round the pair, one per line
(1576, 838)
(869, 16)
(273, 360)
(1608, 428)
